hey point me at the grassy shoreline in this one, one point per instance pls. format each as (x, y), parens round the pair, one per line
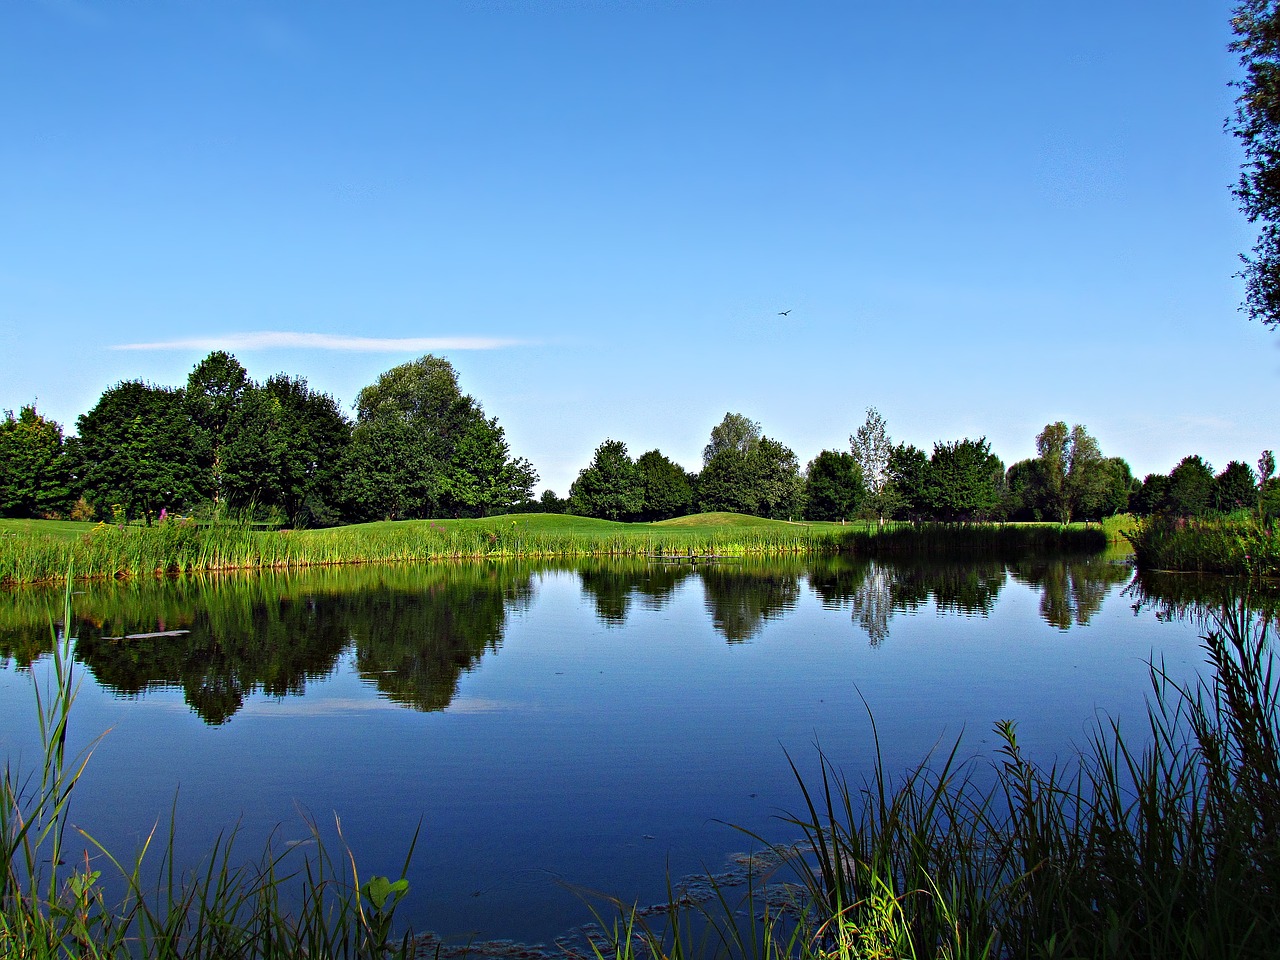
(1234, 546)
(40, 552)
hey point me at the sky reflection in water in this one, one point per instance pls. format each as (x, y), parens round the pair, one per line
(594, 724)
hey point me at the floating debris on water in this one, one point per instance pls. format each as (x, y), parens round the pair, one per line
(150, 636)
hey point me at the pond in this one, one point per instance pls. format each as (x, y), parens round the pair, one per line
(558, 728)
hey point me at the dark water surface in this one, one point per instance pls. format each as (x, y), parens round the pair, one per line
(559, 726)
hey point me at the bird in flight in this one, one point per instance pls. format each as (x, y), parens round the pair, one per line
(783, 313)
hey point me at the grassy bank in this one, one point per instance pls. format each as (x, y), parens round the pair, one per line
(1238, 546)
(40, 551)
(105, 551)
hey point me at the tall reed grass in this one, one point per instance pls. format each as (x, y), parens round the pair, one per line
(54, 904)
(1241, 546)
(178, 547)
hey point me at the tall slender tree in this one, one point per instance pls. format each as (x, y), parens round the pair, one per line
(872, 448)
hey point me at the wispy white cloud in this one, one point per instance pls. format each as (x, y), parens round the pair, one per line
(279, 339)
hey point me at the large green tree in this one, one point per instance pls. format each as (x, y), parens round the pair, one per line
(284, 448)
(1235, 488)
(136, 449)
(764, 480)
(668, 491)
(1073, 478)
(421, 447)
(1256, 124)
(216, 387)
(1190, 491)
(833, 486)
(35, 476)
(610, 487)
(965, 480)
(908, 483)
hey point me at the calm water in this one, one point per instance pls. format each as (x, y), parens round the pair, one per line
(555, 727)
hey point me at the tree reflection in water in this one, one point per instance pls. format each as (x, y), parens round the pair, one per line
(1071, 590)
(413, 631)
(740, 597)
(612, 584)
(1198, 597)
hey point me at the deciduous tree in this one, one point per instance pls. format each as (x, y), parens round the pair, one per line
(1190, 491)
(965, 480)
(734, 432)
(1256, 124)
(833, 486)
(668, 491)
(136, 448)
(35, 476)
(1073, 479)
(421, 448)
(610, 487)
(1235, 488)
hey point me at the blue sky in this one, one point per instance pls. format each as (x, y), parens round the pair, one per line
(983, 217)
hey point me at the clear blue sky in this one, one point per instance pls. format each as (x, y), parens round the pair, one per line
(983, 217)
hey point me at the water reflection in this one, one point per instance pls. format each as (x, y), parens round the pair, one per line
(412, 632)
(1197, 597)
(612, 584)
(740, 597)
(1071, 592)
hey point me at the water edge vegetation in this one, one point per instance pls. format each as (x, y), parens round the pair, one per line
(29, 554)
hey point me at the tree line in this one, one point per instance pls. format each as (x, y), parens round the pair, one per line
(745, 471)
(418, 447)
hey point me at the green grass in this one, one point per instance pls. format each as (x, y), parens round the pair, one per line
(1238, 545)
(65, 529)
(47, 548)
(178, 547)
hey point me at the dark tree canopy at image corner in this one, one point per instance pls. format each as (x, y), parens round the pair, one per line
(1256, 124)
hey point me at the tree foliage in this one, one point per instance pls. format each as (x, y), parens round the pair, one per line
(35, 478)
(611, 487)
(965, 480)
(1190, 492)
(735, 432)
(1073, 481)
(872, 448)
(668, 490)
(1256, 124)
(215, 390)
(422, 448)
(284, 451)
(833, 486)
(762, 481)
(1235, 488)
(137, 449)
